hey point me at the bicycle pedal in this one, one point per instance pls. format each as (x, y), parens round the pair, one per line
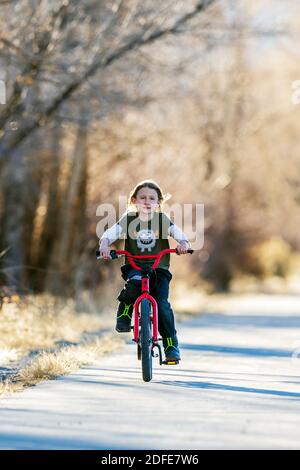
(170, 363)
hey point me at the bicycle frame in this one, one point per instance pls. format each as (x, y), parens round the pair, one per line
(145, 295)
(145, 291)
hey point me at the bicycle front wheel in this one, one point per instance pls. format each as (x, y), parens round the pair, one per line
(146, 338)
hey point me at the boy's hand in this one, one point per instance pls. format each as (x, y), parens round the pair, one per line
(104, 249)
(182, 247)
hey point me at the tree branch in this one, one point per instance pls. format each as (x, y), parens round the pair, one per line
(32, 68)
(135, 43)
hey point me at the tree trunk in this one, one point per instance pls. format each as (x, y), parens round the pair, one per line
(12, 219)
(41, 254)
(71, 220)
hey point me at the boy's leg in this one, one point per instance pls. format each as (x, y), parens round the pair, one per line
(127, 297)
(166, 325)
(166, 321)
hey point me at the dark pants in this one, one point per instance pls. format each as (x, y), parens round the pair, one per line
(159, 289)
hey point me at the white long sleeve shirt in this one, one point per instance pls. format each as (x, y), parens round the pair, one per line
(116, 231)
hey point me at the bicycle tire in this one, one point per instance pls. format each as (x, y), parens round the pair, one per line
(146, 341)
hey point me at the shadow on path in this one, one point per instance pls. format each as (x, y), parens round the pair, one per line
(237, 350)
(260, 320)
(231, 388)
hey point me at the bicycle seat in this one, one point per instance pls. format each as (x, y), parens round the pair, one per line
(146, 269)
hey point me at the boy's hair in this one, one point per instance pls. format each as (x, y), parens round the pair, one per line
(147, 184)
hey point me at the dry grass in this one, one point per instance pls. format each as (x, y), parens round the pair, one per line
(40, 322)
(49, 366)
(42, 337)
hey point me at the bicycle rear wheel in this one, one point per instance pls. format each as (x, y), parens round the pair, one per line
(146, 349)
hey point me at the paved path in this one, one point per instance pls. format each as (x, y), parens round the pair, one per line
(237, 387)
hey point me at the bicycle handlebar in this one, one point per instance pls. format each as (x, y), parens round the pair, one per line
(114, 254)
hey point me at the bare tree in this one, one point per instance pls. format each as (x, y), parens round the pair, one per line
(57, 48)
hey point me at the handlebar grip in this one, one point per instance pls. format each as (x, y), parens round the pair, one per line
(188, 251)
(112, 254)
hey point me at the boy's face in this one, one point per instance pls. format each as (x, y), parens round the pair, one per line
(146, 200)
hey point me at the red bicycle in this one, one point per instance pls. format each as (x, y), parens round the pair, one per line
(145, 328)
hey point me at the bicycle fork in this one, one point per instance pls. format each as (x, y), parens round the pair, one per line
(153, 317)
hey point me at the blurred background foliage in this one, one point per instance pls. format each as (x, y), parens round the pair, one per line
(196, 95)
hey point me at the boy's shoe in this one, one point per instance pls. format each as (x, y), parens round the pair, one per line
(171, 348)
(172, 354)
(124, 315)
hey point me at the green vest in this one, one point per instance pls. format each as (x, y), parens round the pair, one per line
(146, 237)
